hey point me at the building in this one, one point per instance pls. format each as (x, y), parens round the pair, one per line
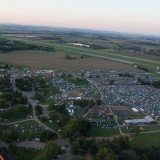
(72, 95)
(145, 120)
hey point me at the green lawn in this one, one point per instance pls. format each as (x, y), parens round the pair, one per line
(28, 135)
(125, 130)
(100, 132)
(146, 128)
(16, 113)
(152, 128)
(146, 140)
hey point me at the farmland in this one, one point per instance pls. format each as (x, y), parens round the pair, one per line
(42, 59)
(143, 61)
(146, 140)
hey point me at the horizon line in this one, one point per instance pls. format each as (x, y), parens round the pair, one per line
(79, 28)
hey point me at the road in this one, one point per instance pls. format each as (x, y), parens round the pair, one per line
(102, 97)
(31, 144)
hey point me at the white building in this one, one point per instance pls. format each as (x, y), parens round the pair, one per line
(145, 120)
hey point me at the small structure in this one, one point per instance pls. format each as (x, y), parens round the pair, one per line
(135, 110)
(72, 95)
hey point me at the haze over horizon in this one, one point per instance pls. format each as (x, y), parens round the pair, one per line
(128, 16)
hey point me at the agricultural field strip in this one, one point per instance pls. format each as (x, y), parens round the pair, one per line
(117, 60)
(115, 57)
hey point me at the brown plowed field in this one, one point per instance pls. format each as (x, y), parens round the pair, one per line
(42, 59)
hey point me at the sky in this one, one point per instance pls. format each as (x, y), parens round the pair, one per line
(131, 16)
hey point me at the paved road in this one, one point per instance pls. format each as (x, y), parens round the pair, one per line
(31, 144)
(3, 144)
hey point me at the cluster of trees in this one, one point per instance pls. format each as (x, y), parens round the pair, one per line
(126, 75)
(8, 135)
(119, 148)
(24, 84)
(78, 81)
(5, 85)
(12, 45)
(97, 46)
(60, 114)
(145, 82)
(8, 97)
(47, 135)
(84, 103)
(76, 127)
(50, 151)
(69, 57)
(136, 49)
(38, 110)
(43, 89)
(54, 39)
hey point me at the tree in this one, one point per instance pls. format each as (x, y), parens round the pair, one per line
(47, 135)
(106, 154)
(128, 154)
(38, 110)
(3, 102)
(71, 127)
(98, 102)
(75, 147)
(85, 127)
(50, 151)
(76, 126)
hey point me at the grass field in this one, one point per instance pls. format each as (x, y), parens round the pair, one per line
(144, 61)
(146, 128)
(19, 112)
(146, 140)
(100, 132)
(56, 60)
(140, 61)
(152, 128)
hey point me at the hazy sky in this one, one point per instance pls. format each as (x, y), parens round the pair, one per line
(134, 16)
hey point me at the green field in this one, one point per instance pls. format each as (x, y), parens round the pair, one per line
(152, 128)
(16, 113)
(146, 140)
(100, 132)
(146, 128)
(139, 61)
